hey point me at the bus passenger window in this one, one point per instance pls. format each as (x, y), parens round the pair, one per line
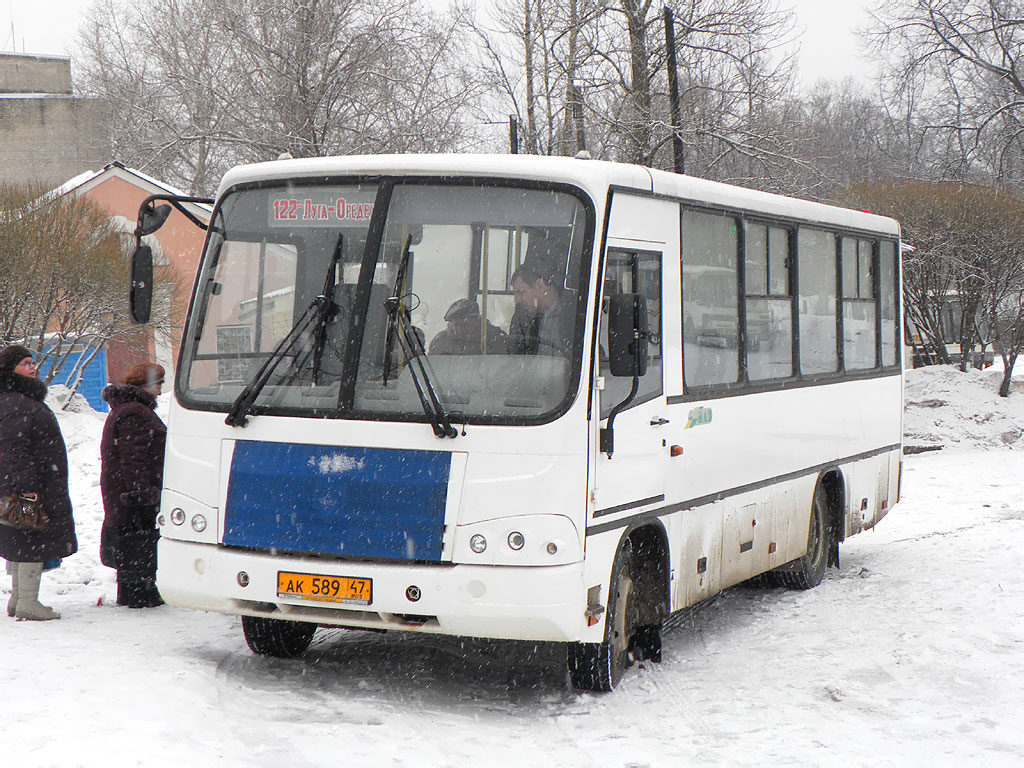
(711, 321)
(887, 297)
(859, 307)
(816, 260)
(769, 303)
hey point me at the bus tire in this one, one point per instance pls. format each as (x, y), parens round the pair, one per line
(808, 571)
(277, 637)
(600, 666)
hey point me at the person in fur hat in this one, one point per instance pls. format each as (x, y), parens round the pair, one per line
(33, 461)
(131, 477)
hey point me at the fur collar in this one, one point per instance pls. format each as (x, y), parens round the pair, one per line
(119, 394)
(23, 385)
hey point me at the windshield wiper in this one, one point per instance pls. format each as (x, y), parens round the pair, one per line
(328, 311)
(392, 306)
(415, 355)
(399, 324)
(320, 310)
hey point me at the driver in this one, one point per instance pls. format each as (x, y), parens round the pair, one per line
(542, 323)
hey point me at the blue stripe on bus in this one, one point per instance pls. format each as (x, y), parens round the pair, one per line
(358, 502)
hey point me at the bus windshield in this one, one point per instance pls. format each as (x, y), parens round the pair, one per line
(473, 292)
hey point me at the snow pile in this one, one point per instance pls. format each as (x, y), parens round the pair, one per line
(944, 406)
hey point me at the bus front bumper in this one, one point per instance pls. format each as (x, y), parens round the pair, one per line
(544, 603)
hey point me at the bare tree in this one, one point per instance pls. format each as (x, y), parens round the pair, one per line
(62, 275)
(199, 85)
(595, 70)
(959, 63)
(159, 64)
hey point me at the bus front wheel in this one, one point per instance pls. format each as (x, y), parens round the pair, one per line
(600, 666)
(277, 637)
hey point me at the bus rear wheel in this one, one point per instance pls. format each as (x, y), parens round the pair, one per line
(808, 571)
(277, 637)
(600, 666)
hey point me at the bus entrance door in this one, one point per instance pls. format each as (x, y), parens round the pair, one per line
(630, 478)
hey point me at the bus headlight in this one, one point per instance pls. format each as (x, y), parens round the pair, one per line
(516, 540)
(178, 516)
(478, 543)
(198, 523)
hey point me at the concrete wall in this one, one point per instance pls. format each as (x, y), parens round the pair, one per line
(20, 73)
(51, 139)
(47, 135)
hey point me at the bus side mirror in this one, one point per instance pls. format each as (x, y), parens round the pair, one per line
(152, 219)
(140, 293)
(627, 335)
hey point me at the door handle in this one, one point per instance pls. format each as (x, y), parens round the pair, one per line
(658, 421)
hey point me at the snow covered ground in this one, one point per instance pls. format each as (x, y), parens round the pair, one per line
(912, 653)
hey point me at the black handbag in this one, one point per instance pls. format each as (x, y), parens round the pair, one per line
(23, 512)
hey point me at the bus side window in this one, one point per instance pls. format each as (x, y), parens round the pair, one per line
(711, 323)
(889, 306)
(769, 302)
(816, 273)
(859, 306)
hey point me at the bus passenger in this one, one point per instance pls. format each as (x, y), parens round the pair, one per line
(131, 478)
(541, 324)
(463, 334)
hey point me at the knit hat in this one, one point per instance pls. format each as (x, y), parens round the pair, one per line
(145, 375)
(12, 355)
(462, 309)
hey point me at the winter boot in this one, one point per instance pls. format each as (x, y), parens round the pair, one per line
(149, 595)
(129, 592)
(126, 590)
(139, 593)
(13, 602)
(28, 606)
(152, 596)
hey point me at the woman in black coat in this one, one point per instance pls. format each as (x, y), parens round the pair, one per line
(33, 460)
(131, 477)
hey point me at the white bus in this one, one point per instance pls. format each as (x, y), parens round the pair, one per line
(581, 464)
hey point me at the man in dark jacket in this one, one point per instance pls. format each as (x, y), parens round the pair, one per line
(33, 460)
(465, 334)
(131, 477)
(541, 324)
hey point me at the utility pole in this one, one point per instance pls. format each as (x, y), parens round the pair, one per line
(678, 147)
(513, 135)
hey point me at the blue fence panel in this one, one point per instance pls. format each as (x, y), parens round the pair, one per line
(93, 380)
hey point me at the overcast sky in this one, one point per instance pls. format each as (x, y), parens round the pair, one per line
(828, 48)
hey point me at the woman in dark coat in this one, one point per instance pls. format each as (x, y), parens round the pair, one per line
(33, 460)
(131, 476)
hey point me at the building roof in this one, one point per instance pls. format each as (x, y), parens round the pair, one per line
(85, 181)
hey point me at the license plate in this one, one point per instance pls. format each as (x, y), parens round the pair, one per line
(326, 589)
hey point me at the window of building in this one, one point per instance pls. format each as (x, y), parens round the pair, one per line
(233, 340)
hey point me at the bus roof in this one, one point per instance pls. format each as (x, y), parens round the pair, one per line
(591, 175)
